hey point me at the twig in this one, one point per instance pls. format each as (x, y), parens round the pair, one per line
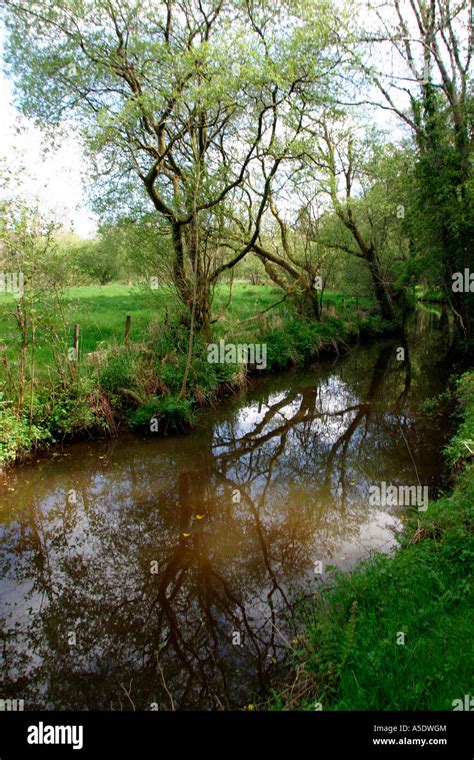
(257, 316)
(409, 451)
(166, 688)
(128, 693)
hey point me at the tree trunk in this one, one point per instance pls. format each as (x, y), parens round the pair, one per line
(203, 307)
(193, 286)
(381, 290)
(307, 303)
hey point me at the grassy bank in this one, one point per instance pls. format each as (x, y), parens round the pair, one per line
(347, 656)
(112, 384)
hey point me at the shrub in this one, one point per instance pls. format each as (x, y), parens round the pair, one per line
(120, 371)
(170, 413)
(18, 436)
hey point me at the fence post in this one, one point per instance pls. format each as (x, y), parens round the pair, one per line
(76, 342)
(128, 321)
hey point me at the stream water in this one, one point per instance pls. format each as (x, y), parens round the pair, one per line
(161, 573)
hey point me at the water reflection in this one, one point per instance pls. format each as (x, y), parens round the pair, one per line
(162, 572)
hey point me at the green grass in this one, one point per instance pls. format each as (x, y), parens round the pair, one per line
(100, 312)
(247, 300)
(348, 657)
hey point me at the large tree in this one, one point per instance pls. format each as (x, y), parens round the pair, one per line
(192, 98)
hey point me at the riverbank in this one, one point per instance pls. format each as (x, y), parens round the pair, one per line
(138, 383)
(165, 552)
(397, 633)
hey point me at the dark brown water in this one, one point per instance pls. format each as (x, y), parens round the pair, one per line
(161, 572)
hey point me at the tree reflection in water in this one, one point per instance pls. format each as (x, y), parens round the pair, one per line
(232, 520)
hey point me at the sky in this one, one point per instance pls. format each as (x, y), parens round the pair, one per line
(53, 178)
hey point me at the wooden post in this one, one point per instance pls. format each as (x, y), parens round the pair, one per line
(128, 321)
(76, 342)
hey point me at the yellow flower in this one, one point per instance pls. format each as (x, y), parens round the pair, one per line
(186, 535)
(200, 517)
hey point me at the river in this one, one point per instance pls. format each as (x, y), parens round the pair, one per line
(162, 572)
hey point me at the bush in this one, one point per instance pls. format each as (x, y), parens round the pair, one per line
(279, 353)
(77, 408)
(18, 436)
(120, 371)
(461, 446)
(169, 413)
